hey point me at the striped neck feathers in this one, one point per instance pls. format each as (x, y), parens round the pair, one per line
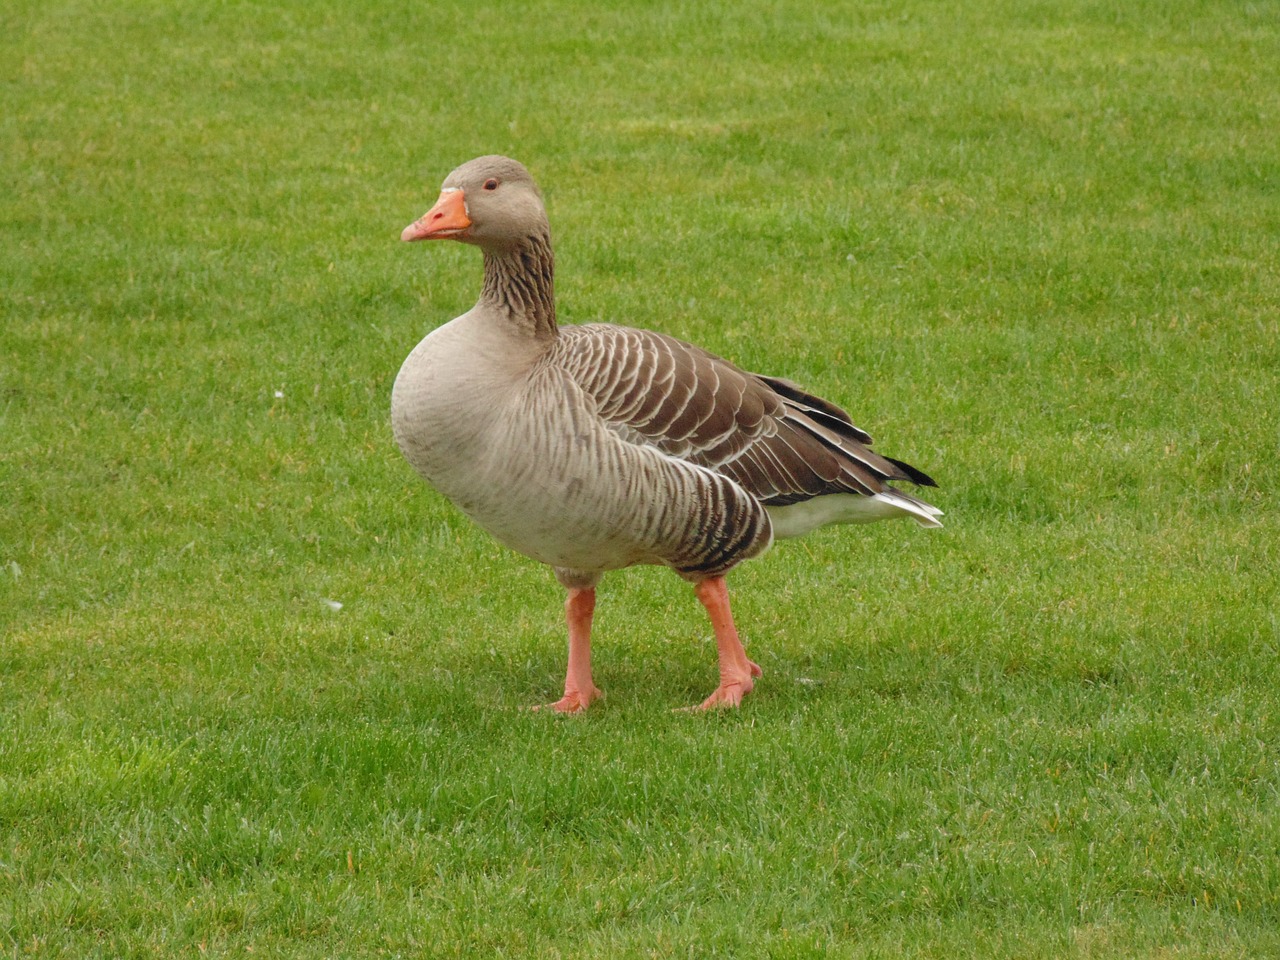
(519, 281)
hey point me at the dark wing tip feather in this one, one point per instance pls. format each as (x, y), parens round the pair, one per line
(793, 391)
(913, 474)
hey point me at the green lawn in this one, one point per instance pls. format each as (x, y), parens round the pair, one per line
(1033, 247)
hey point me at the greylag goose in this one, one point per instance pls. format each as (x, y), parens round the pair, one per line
(596, 447)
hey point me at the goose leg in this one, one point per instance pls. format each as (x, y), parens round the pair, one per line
(579, 690)
(736, 671)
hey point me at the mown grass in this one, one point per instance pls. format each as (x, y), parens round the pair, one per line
(1031, 246)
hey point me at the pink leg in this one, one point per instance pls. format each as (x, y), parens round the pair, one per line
(579, 691)
(736, 671)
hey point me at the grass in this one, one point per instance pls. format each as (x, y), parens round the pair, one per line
(1031, 246)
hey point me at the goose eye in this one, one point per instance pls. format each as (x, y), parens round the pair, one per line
(491, 184)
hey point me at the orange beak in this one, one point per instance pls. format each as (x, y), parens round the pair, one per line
(447, 218)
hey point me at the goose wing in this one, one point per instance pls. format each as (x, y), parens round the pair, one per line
(780, 443)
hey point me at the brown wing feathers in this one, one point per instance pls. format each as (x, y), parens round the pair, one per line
(782, 444)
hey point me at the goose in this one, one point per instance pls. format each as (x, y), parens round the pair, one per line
(596, 447)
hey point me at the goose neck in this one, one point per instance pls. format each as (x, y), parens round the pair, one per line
(519, 281)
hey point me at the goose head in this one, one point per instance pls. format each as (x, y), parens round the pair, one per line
(491, 202)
